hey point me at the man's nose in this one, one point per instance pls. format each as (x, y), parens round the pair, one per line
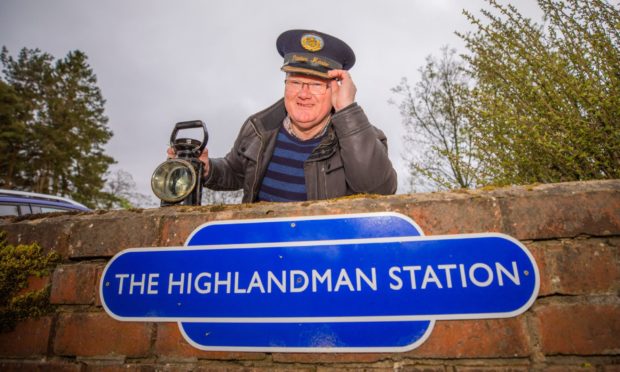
(305, 90)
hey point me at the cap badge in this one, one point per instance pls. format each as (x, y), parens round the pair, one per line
(311, 42)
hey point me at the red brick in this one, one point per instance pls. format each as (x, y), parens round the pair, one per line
(97, 334)
(39, 366)
(545, 269)
(104, 235)
(34, 284)
(562, 210)
(328, 357)
(29, 338)
(583, 266)
(579, 329)
(419, 368)
(171, 345)
(490, 338)
(491, 369)
(50, 233)
(74, 284)
(366, 368)
(460, 214)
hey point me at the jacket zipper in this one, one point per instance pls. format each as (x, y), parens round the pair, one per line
(258, 160)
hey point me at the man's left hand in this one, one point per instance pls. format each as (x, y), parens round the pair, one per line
(343, 89)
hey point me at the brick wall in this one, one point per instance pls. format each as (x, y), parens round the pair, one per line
(572, 229)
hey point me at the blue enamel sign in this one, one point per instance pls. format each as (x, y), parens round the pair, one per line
(368, 282)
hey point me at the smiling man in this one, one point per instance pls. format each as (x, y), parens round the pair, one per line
(316, 143)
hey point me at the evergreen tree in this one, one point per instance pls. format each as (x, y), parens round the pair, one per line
(53, 117)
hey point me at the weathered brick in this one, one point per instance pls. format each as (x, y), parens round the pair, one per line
(75, 284)
(328, 357)
(29, 338)
(579, 266)
(35, 283)
(50, 232)
(491, 369)
(461, 213)
(40, 366)
(366, 368)
(106, 234)
(419, 368)
(96, 334)
(490, 338)
(171, 345)
(579, 329)
(538, 251)
(562, 211)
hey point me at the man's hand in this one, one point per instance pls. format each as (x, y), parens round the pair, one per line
(343, 89)
(204, 158)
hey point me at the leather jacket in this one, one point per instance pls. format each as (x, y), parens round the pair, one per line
(351, 158)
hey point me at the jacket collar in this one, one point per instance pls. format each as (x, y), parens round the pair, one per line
(271, 118)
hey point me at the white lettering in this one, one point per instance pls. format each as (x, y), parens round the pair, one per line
(178, 283)
(343, 279)
(140, 284)
(412, 270)
(206, 288)
(302, 280)
(237, 289)
(430, 276)
(256, 282)
(447, 269)
(120, 285)
(514, 277)
(271, 278)
(472, 274)
(152, 283)
(399, 283)
(225, 282)
(326, 277)
(359, 276)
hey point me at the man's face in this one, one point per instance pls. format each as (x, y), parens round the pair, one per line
(305, 108)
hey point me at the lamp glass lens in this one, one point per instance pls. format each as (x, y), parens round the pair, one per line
(173, 180)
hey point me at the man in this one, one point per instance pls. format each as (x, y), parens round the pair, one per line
(316, 142)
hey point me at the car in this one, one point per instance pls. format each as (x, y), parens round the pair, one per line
(20, 203)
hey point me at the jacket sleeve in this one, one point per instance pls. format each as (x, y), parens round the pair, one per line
(364, 153)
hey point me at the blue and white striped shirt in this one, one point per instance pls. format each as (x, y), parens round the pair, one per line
(285, 180)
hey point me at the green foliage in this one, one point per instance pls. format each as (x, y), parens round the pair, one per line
(436, 127)
(17, 264)
(546, 101)
(53, 126)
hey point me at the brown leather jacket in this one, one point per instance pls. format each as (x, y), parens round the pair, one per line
(352, 157)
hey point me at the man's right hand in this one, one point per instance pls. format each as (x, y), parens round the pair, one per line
(204, 158)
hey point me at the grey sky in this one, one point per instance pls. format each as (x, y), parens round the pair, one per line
(159, 62)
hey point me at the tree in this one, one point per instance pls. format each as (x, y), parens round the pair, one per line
(122, 188)
(546, 101)
(53, 126)
(212, 197)
(435, 125)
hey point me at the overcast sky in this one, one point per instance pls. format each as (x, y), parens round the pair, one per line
(159, 62)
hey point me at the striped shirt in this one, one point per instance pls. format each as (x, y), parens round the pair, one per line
(285, 180)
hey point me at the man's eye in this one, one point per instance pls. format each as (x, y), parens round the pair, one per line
(315, 85)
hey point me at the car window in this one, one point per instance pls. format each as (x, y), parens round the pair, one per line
(24, 209)
(8, 210)
(51, 210)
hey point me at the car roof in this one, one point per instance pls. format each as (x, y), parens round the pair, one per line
(14, 196)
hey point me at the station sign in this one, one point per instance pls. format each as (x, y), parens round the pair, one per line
(346, 283)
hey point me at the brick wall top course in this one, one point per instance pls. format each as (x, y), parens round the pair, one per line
(536, 212)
